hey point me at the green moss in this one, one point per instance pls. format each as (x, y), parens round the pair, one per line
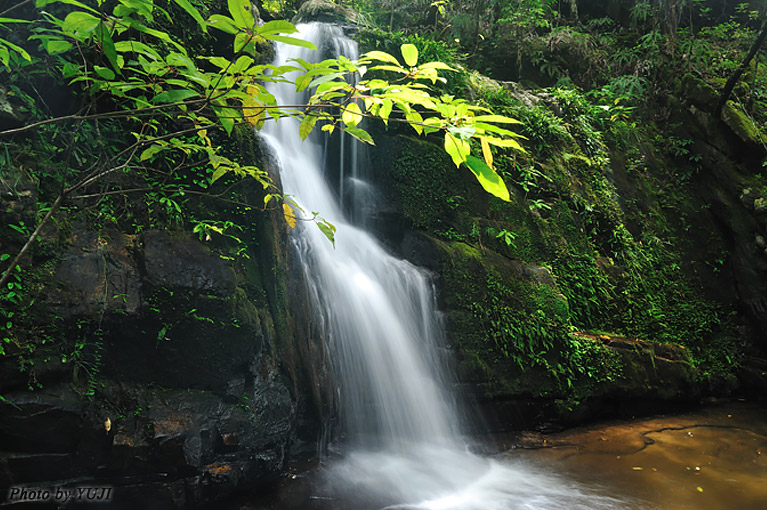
(741, 125)
(699, 92)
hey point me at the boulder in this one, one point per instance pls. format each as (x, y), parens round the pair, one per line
(323, 10)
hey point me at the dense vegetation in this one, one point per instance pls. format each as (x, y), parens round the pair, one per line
(621, 105)
(132, 115)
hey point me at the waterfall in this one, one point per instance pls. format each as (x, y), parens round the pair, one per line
(383, 331)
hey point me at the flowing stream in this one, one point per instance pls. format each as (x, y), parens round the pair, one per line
(403, 447)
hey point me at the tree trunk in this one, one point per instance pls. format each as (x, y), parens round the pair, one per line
(733, 79)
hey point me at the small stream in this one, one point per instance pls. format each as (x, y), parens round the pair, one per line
(711, 459)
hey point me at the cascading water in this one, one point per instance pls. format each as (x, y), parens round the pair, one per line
(383, 330)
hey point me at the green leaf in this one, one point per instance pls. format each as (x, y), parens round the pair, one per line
(79, 22)
(329, 230)
(496, 118)
(104, 72)
(500, 142)
(174, 96)
(415, 120)
(18, 49)
(227, 117)
(307, 124)
(487, 177)
(457, 149)
(396, 69)
(150, 151)
(241, 14)
(193, 12)
(158, 34)
(276, 27)
(143, 8)
(107, 46)
(380, 55)
(360, 134)
(223, 23)
(179, 60)
(43, 3)
(410, 54)
(352, 115)
(137, 47)
(291, 40)
(436, 65)
(54, 47)
(218, 173)
(385, 110)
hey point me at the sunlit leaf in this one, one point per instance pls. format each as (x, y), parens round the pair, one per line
(457, 149)
(293, 41)
(496, 118)
(289, 214)
(307, 125)
(80, 22)
(436, 65)
(409, 54)
(488, 178)
(241, 14)
(381, 56)
(360, 134)
(486, 152)
(223, 23)
(501, 142)
(352, 115)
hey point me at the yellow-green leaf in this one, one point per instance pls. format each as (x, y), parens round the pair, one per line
(385, 110)
(241, 14)
(415, 120)
(457, 148)
(307, 124)
(360, 134)
(496, 118)
(352, 115)
(220, 171)
(507, 142)
(436, 65)
(380, 55)
(410, 54)
(486, 152)
(290, 215)
(487, 177)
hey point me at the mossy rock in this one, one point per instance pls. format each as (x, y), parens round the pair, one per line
(323, 10)
(741, 125)
(699, 93)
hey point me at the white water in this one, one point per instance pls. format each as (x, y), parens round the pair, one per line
(383, 331)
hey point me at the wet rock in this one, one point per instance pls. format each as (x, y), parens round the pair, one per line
(324, 10)
(184, 264)
(96, 275)
(699, 93)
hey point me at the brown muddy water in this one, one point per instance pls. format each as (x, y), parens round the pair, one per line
(714, 458)
(711, 459)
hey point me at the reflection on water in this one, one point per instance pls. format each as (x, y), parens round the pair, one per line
(713, 459)
(709, 460)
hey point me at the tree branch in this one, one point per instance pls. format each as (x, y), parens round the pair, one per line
(733, 79)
